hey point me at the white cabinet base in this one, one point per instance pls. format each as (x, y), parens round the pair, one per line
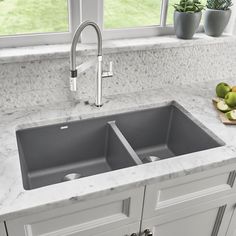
(200, 204)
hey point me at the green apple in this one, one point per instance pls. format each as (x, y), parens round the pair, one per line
(222, 89)
(230, 99)
(231, 115)
(222, 106)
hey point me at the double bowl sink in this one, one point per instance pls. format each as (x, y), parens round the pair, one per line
(56, 153)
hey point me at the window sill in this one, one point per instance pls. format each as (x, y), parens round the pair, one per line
(50, 52)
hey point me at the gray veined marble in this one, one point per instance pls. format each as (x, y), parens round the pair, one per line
(196, 98)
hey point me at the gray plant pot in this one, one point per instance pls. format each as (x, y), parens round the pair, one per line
(215, 21)
(186, 24)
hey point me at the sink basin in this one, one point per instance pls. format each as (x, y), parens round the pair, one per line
(49, 154)
(166, 132)
(56, 153)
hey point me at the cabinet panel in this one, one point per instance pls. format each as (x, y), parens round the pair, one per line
(182, 192)
(194, 225)
(2, 229)
(123, 231)
(232, 226)
(208, 219)
(99, 215)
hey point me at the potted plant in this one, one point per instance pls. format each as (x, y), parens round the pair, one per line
(217, 16)
(187, 17)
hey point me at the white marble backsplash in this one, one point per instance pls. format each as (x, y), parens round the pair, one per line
(46, 81)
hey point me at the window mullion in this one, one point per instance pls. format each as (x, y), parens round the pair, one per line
(74, 14)
(91, 10)
(164, 12)
(231, 27)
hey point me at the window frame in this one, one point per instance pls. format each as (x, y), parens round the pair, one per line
(31, 39)
(81, 10)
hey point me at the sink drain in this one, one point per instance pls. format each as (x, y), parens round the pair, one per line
(71, 176)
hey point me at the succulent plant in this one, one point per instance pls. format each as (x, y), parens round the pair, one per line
(219, 4)
(190, 6)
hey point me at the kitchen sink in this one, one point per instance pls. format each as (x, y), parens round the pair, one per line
(61, 152)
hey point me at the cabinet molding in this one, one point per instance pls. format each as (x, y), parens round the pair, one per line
(231, 178)
(218, 221)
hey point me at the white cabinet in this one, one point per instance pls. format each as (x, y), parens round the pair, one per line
(2, 229)
(199, 204)
(87, 218)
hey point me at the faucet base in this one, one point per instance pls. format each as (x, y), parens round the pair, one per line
(98, 105)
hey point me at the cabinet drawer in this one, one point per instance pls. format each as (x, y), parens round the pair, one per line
(2, 229)
(183, 192)
(85, 218)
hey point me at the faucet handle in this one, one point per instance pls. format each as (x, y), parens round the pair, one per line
(110, 72)
(111, 67)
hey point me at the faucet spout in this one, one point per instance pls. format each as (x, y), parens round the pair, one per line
(75, 70)
(76, 39)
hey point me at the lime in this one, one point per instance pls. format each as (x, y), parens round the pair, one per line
(231, 115)
(222, 106)
(230, 99)
(222, 89)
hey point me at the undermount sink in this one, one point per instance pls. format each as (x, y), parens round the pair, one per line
(56, 153)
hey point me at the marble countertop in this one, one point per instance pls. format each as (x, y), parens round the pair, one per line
(196, 98)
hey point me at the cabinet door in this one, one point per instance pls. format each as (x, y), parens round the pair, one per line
(2, 229)
(232, 226)
(127, 230)
(84, 218)
(173, 195)
(208, 219)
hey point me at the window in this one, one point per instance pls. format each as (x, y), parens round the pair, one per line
(131, 13)
(33, 16)
(32, 22)
(136, 18)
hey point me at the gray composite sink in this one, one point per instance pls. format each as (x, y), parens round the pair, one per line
(56, 153)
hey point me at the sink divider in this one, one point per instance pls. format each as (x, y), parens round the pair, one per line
(124, 142)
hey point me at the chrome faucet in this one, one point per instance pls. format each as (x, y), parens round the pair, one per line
(75, 71)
